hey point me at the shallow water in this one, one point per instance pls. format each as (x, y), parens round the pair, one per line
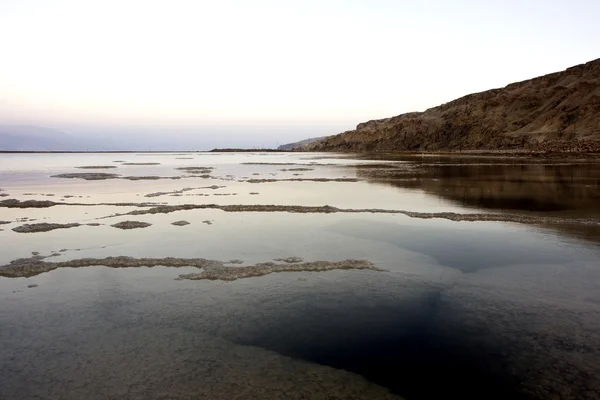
(468, 309)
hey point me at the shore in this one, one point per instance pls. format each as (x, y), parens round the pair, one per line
(498, 154)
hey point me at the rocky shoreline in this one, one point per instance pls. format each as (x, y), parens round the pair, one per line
(551, 115)
(211, 269)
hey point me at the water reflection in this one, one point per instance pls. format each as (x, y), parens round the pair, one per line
(569, 190)
(467, 309)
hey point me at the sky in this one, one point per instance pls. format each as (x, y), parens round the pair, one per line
(260, 73)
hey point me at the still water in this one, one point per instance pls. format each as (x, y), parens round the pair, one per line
(473, 308)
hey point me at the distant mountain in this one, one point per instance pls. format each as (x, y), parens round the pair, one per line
(558, 112)
(35, 138)
(295, 145)
(32, 138)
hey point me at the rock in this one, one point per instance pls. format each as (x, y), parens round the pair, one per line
(95, 176)
(452, 216)
(295, 145)
(131, 225)
(180, 191)
(97, 167)
(199, 170)
(289, 260)
(42, 227)
(14, 203)
(33, 285)
(210, 269)
(142, 178)
(180, 223)
(233, 273)
(207, 222)
(541, 115)
(141, 163)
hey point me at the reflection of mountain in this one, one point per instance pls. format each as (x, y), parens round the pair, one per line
(560, 190)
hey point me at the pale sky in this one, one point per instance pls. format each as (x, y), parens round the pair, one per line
(258, 72)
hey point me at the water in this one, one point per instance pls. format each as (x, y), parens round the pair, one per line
(464, 309)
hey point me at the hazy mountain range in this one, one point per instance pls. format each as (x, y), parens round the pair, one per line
(144, 138)
(35, 138)
(554, 111)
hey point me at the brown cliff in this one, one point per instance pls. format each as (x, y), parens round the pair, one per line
(555, 112)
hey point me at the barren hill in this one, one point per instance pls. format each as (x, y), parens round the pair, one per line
(295, 145)
(559, 111)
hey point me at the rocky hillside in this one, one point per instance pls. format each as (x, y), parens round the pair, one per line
(295, 145)
(556, 112)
